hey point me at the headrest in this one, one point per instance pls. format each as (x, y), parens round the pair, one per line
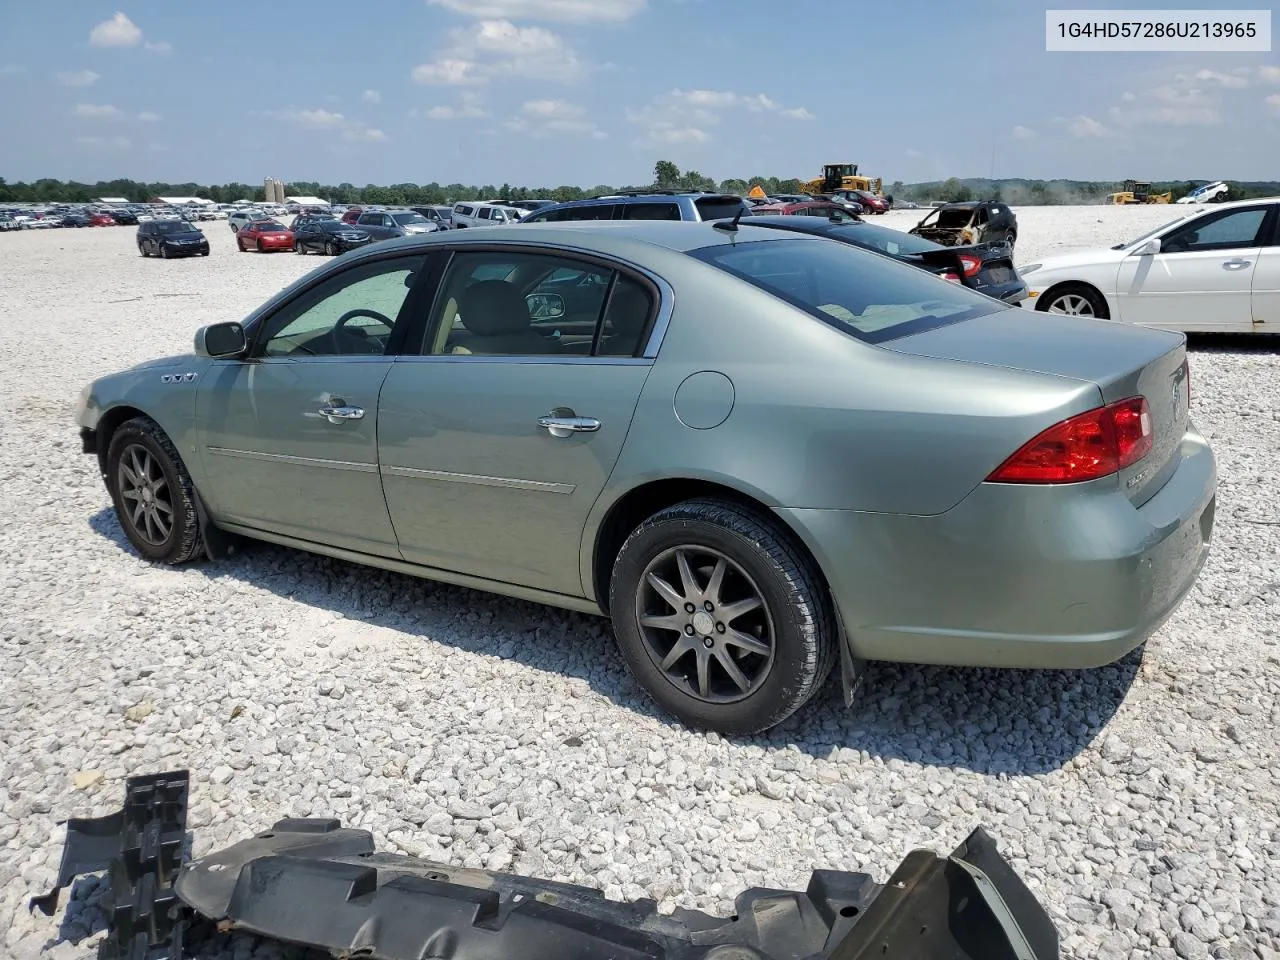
(493, 307)
(628, 308)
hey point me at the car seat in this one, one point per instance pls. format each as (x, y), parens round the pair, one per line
(495, 318)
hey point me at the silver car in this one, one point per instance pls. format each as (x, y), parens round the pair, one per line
(383, 225)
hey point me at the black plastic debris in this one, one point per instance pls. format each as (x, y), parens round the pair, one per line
(315, 883)
(142, 847)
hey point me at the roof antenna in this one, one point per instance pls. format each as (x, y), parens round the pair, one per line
(732, 225)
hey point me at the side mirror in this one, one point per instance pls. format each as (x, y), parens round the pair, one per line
(1148, 248)
(545, 306)
(220, 341)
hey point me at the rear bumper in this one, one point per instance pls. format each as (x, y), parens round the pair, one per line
(1019, 576)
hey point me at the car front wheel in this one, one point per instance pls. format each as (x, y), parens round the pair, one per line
(721, 617)
(152, 492)
(1076, 300)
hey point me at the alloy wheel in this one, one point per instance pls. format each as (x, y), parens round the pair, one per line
(145, 493)
(705, 624)
(1073, 305)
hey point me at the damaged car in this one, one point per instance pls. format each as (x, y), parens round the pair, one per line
(314, 883)
(964, 224)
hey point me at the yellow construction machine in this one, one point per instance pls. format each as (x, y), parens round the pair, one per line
(1135, 191)
(842, 176)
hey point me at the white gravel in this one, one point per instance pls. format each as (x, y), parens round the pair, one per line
(1140, 801)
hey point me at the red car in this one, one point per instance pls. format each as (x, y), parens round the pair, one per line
(264, 235)
(352, 214)
(101, 220)
(810, 208)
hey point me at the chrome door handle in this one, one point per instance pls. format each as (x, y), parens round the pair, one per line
(341, 412)
(567, 426)
(1235, 264)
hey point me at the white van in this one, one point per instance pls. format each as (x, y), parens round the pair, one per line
(474, 213)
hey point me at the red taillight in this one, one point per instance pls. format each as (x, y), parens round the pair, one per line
(1085, 447)
(953, 277)
(970, 264)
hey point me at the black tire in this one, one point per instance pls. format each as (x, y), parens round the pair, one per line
(796, 607)
(143, 250)
(260, 250)
(1079, 291)
(329, 249)
(142, 437)
(298, 248)
(164, 252)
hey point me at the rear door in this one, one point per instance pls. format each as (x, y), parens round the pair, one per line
(1202, 278)
(492, 458)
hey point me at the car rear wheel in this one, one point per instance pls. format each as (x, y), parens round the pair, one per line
(143, 250)
(153, 494)
(260, 250)
(164, 251)
(722, 619)
(299, 248)
(330, 249)
(1077, 300)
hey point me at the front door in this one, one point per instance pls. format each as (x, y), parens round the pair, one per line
(497, 440)
(1202, 278)
(288, 437)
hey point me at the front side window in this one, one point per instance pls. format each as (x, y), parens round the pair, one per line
(1227, 230)
(534, 304)
(860, 293)
(350, 314)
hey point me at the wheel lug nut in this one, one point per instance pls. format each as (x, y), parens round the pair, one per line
(688, 629)
(708, 642)
(689, 608)
(708, 606)
(719, 628)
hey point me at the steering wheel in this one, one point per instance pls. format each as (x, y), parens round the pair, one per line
(340, 327)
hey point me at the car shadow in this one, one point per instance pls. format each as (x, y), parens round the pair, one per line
(985, 720)
(1253, 343)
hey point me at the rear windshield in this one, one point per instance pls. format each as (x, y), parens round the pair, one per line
(721, 208)
(861, 293)
(269, 227)
(406, 218)
(884, 239)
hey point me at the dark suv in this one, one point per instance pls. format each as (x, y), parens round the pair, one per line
(650, 205)
(171, 238)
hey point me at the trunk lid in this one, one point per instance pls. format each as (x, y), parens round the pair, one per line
(1121, 360)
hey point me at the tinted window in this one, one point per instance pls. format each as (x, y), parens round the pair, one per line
(652, 211)
(370, 219)
(893, 242)
(1228, 230)
(484, 213)
(520, 304)
(599, 211)
(860, 293)
(626, 319)
(351, 314)
(407, 218)
(720, 208)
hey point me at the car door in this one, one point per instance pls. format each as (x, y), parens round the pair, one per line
(494, 443)
(371, 223)
(288, 436)
(1202, 278)
(1265, 298)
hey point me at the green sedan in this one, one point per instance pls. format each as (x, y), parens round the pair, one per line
(759, 453)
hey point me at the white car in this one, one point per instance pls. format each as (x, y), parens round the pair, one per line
(238, 218)
(476, 213)
(1215, 192)
(1209, 271)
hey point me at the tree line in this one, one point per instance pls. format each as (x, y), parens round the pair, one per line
(666, 176)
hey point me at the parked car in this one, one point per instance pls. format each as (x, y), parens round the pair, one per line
(986, 268)
(657, 205)
(1215, 192)
(330, 237)
(237, 219)
(1210, 271)
(123, 217)
(305, 218)
(7, 223)
(963, 224)
(441, 216)
(76, 220)
(525, 204)
(945, 483)
(102, 220)
(264, 235)
(352, 214)
(824, 209)
(394, 223)
(868, 201)
(478, 214)
(171, 238)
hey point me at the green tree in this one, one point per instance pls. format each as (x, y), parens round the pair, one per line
(666, 175)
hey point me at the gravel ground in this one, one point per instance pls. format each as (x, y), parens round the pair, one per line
(1139, 801)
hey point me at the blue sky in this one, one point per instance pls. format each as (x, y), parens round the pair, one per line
(549, 92)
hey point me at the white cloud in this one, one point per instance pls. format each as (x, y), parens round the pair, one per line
(573, 11)
(78, 78)
(119, 31)
(1083, 126)
(319, 118)
(364, 134)
(494, 49)
(371, 96)
(1128, 96)
(1273, 102)
(470, 107)
(545, 118)
(160, 46)
(115, 143)
(1269, 74)
(1023, 133)
(327, 121)
(146, 116)
(1233, 81)
(96, 111)
(683, 116)
(12, 70)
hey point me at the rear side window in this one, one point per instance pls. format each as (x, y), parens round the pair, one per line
(652, 211)
(719, 208)
(484, 213)
(860, 293)
(462, 209)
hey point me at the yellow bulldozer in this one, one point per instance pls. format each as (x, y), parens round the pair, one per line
(1135, 191)
(842, 176)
